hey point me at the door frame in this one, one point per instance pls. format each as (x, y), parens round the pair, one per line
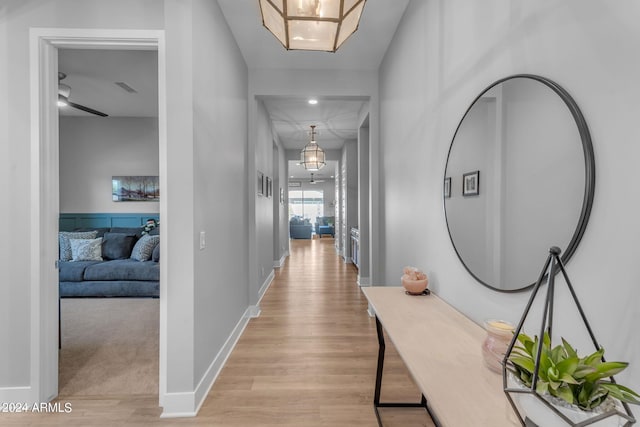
(44, 190)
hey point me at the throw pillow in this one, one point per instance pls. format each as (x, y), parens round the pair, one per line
(144, 247)
(86, 249)
(155, 256)
(65, 246)
(117, 245)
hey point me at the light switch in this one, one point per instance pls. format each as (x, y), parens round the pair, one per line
(202, 240)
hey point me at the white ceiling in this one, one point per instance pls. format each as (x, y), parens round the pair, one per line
(363, 50)
(92, 73)
(299, 173)
(336, 120)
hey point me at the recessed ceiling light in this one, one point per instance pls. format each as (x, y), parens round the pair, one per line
(291, 176)
(313, 101)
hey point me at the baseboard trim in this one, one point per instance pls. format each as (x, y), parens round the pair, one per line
(179, 405)
(364, 281)
(265, 286)
(254, 310)
(279, 263)
(17, 394)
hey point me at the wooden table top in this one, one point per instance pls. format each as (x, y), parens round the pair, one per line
(442, 350)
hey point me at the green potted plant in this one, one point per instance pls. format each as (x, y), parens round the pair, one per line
(580, 388)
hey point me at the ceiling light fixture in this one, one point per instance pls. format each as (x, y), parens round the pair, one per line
(313, 101)
(312, 156)
(311, 24)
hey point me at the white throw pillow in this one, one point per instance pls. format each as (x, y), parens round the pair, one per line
(65, 246)
(86, 249)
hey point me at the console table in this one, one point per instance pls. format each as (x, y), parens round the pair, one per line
(442, 351)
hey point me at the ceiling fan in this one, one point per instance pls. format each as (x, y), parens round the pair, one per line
(63, 97)
(315, 181)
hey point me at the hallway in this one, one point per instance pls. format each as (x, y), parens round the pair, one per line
(309, 359)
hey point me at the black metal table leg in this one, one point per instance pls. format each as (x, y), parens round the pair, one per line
(376, 397)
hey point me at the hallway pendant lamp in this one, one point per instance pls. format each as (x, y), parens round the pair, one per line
(312, 156)
(311, 24)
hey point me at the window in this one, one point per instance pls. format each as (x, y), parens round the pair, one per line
(307, 204)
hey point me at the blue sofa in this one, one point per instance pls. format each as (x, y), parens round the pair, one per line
(114, 278)
(123, 277)
(300, 228)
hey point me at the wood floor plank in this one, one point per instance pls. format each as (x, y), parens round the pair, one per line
(308, 360)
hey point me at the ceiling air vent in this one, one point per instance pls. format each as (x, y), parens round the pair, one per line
(126, 87)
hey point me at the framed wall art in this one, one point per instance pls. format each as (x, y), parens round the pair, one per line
(471, 183)
(135, 188)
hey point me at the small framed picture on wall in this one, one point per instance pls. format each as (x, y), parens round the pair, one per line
(447, 187)
(269, 189)
(471, 183)
(260, 184)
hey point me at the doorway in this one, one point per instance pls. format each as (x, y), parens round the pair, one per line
(108, 133)
(44, 45)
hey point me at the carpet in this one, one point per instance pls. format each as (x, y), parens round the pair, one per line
(109, 346)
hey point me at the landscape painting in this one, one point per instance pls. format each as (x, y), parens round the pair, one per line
(135, 189)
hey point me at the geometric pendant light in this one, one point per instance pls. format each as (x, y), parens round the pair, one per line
(311, 24)
(312, 156)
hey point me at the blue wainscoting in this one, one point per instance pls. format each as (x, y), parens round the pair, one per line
(73, 221)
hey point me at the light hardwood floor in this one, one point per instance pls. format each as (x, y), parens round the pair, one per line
(308, 360)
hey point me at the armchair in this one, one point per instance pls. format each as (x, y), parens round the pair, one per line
(324, 225)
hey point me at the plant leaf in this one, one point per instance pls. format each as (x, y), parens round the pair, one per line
(542, 387)
(523, 362)
(568, 366)
(571, 352)
(582, 371)
(557, 354)
(606, 369)
(594, 358)
(622, 393)
(567, 378)
(565, 393)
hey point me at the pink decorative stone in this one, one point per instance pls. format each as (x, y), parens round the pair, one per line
(412, 286)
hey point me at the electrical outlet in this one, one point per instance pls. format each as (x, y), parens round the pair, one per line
(203, 242)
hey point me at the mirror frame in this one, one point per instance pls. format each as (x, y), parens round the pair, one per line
(589, 164)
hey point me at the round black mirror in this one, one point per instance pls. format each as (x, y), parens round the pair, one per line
(520, 178)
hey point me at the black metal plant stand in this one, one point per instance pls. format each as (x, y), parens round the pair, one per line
(549, 271)
(376, 397)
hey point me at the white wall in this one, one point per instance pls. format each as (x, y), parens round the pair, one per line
(443, 55)
(349, 202)
(16, 17)
(220, 136)
(93, 149)
(280, 214)
(206, 291)
(264, 205)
